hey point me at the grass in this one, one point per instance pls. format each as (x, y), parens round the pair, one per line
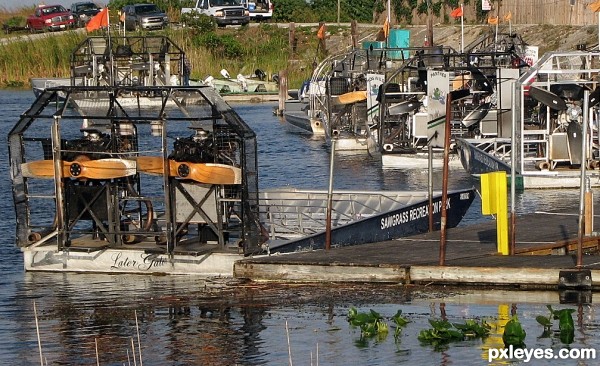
(242, 51)
(6, 15)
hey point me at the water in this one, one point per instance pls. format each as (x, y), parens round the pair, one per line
(194, 321)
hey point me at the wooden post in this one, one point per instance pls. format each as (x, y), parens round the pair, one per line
(582, 183)
(444, 213)
(354, 33)
(283, 91)
(589, 211)
(292, 41)
(330, 197)
(450, 97)
(429, 25)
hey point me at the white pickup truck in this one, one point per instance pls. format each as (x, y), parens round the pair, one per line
(225, 12)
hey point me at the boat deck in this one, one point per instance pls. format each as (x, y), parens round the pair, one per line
(191, 247)
(545, 245)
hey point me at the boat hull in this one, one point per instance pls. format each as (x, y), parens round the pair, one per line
(302, 121)
(408, 220)
(476, 162)
(133, 261)
(417, 161)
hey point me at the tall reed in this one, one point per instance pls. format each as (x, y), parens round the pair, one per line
(263, 47)
(28, 58)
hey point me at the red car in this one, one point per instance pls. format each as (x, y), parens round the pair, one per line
(50, 17)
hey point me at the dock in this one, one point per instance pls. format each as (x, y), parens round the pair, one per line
(545, 258)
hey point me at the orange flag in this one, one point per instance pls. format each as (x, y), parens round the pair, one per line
(595, 6)
(386, 27)
(321, 32)
(493, 20)
(458, 12)
(98, 21)
(508, 16)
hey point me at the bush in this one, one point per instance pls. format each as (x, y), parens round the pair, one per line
(220, 46)
(15, 22)
(200, 22)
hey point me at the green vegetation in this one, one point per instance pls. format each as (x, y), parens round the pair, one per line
(16, 21)
(47, 57)
(566, 326)
(209, 50)
(444, 332)
(372, 324)
(514, 334)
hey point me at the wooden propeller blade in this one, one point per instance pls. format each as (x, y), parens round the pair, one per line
(351, 97)
(89, 169)
(210, 173)
(150, 164)
(461, 81)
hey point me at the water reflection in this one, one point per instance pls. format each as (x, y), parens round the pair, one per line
(188, 321)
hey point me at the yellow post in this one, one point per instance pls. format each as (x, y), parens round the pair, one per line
(494, 340)
(494, 200)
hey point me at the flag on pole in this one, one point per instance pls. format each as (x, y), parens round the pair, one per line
(321, 32)
(595, 6)
(508, 16)
(493, 20)
(386, 28)
(98, 21)
(458, 12)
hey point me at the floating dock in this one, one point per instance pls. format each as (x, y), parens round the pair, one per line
(546, 244)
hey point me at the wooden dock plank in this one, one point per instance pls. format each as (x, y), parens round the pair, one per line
(471, 257)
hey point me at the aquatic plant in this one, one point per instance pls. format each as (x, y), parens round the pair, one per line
(566, 326)
(400, 322)
(444, 332)
(373, 324)
(514, 334)
(370, 323)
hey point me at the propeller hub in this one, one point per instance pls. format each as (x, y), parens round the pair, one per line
(75, 169)
(183, 170)
(574, 111)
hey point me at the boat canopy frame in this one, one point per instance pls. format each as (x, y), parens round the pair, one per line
(125, 125)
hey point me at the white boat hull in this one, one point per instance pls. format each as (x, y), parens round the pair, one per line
(49, 259)
(418, 161)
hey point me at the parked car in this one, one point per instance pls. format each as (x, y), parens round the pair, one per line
(51, 18)
(84, 11)
(224, 12)
(144, 16)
